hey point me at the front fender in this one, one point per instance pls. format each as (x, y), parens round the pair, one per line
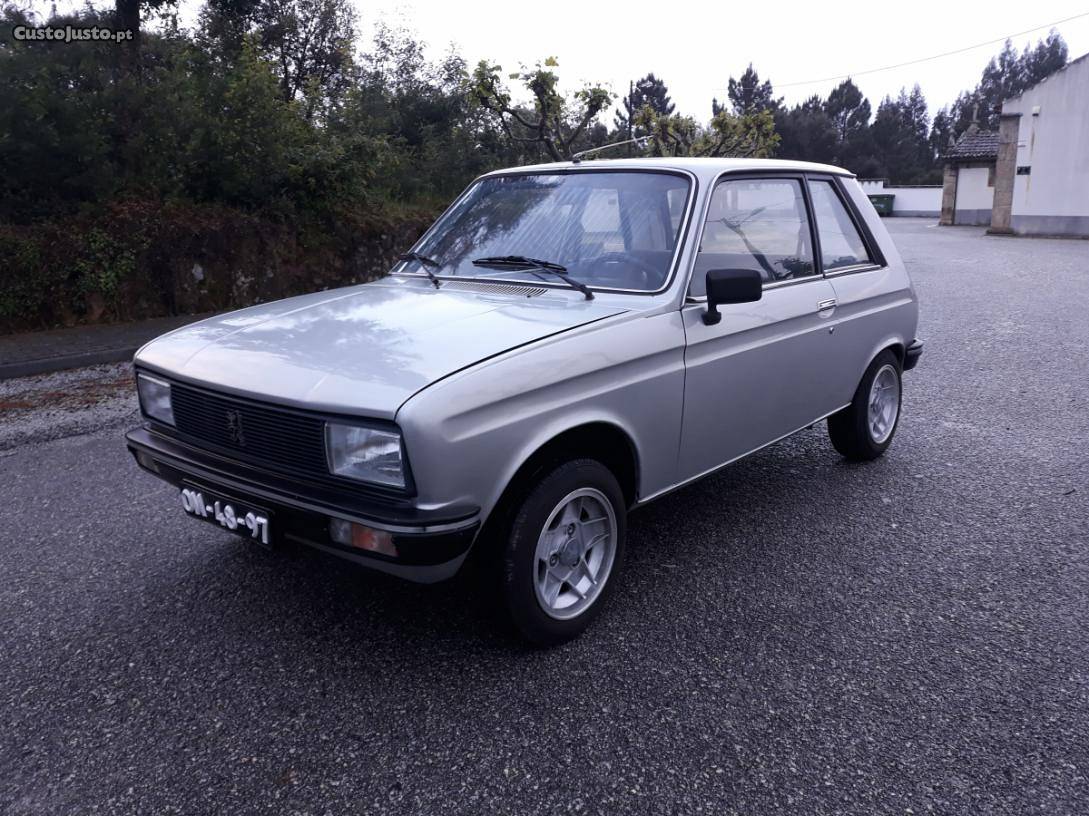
(469, 434)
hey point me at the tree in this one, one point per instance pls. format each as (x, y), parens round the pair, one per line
(56, 144)
(423, 108)
(309, 43)
(222, 26)
(849, 111)
(749, 136)
(1045, 59)
(646, 91)
(941, 133)
(127, 15)
(1005, 76)
(901, 138)
(554, 123)
(807, 132)
(747, 95)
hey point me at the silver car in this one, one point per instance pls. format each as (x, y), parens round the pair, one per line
(567, 342)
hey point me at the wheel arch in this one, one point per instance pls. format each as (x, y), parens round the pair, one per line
(602, 440)
(894, 344)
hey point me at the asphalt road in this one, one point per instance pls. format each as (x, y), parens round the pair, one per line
(796, 635)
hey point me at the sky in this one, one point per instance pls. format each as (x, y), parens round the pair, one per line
(695, 47)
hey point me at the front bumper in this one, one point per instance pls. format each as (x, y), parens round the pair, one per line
(431, 545)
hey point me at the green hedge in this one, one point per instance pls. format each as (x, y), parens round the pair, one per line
(137, 258)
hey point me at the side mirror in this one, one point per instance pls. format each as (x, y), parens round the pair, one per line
(731, 286)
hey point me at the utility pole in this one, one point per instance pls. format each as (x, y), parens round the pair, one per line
(628, 105)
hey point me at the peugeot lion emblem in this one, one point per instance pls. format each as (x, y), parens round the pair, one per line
(234, 428)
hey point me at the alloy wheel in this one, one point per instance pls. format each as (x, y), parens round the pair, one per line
(575, 553)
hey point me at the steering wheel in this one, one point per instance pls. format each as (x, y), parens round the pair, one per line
(646, 271)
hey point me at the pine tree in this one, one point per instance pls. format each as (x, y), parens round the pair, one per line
(1003, 77)
(941, 131)
(849, 110)
(1006, 76)
(747, 95)
(646, 91)
(901, 138)
(807, 132)
(1045, 59)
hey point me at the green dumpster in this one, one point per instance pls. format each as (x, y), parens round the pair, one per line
(882, 203)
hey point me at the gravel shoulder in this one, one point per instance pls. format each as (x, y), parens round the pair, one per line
(66, 403)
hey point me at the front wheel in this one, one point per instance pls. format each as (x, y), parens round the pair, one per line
(864, 429)
(564, 549)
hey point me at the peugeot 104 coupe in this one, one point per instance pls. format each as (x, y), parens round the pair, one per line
(567, 342)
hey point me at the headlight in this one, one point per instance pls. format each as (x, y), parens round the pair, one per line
(155, 398)
(365, 454)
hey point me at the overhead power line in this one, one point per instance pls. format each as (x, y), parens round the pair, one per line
(928, 59)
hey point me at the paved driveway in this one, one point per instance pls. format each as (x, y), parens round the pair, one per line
(795, 635)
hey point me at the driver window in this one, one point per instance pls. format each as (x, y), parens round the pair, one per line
(756, 224)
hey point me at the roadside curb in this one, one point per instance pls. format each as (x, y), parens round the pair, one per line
(47, 365)
(31, 353)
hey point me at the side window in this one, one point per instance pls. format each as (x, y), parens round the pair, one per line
(841, 245)
(756, 224)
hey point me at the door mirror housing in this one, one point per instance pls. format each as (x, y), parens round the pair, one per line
(731, 286)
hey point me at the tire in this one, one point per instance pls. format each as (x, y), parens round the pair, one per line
(574, 505)
(857, 434)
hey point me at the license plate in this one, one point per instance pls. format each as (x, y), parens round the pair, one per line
(227, 513)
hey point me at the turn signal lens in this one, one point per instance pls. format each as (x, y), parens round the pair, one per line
(350, 534)
(147, 462)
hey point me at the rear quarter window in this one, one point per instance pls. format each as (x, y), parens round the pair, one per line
(841, 244)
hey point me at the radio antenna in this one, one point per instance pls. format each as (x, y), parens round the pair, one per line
(639, 140)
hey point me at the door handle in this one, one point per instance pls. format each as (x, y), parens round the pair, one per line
(825, 305)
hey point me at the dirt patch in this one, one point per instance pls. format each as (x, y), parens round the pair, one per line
(80, 393)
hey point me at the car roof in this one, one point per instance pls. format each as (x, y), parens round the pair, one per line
(704, 169)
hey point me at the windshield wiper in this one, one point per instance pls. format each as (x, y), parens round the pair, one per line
(424, 263)
(535, 265)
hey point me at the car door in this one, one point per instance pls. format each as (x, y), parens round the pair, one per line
(873, 302)
(761, 372)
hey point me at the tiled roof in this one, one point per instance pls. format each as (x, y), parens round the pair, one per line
(981, 145)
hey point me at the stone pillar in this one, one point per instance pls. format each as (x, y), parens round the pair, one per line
(949, 196)
(1005, 172)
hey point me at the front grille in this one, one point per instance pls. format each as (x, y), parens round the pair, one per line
(286, 441)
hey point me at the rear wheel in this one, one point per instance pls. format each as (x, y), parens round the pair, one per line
(564, 548)
(864, 429)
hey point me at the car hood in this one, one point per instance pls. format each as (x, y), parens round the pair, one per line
(365, 349)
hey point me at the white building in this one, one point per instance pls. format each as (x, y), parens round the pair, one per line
(1032, 177)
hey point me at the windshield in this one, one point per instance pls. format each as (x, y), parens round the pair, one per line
(615, 230)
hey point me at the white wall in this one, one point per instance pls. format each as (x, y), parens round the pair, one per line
(974, 197)
(1054, 142)
(914, 201)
